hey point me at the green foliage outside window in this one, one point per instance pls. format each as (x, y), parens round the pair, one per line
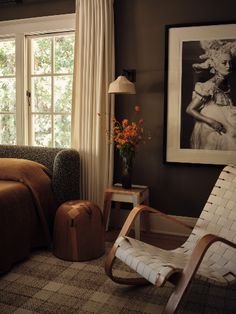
(50, 75)
(7, 92)
(7, 57)
(52, 90)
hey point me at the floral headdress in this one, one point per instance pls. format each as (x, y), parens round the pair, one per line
(213, 51)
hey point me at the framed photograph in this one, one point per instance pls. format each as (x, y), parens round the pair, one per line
(200, 93)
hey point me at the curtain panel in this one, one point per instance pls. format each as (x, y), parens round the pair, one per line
(91, 105)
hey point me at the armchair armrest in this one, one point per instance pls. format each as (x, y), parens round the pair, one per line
(66, 175)
(191, 268)
(200, 250)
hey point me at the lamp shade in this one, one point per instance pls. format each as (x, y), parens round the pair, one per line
(121, 86)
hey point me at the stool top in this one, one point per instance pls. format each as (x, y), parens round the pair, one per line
(135, 189)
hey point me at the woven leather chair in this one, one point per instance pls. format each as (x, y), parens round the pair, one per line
(209, 253)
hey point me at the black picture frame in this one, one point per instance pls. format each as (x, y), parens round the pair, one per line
(183, 49)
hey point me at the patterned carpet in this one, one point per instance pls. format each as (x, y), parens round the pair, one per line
(45, 284)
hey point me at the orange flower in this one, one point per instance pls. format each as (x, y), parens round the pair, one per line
(127, 135)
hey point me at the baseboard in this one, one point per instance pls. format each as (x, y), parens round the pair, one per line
(156, 224)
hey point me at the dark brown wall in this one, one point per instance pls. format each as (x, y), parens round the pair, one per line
(179, 189)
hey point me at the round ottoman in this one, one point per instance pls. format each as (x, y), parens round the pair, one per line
(79, 233)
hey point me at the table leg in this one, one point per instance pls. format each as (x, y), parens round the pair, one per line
(137, 227)
(146, 216)
(107, 210)
(136, 202)
(137, 223)
(117, 214)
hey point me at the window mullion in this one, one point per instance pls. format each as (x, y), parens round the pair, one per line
(52, 91)
(21, 114)
(29, 82)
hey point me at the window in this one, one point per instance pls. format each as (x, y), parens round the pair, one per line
(51, 60)
(36, 71)
(7, 92)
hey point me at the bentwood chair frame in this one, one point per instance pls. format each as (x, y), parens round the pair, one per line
(209, 253)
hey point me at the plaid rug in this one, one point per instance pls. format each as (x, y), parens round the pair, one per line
(46, 284)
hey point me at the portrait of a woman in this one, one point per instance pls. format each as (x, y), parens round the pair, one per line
(211, 106)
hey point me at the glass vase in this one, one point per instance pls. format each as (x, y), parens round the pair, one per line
(127, 170)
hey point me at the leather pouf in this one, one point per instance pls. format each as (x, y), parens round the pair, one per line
(79, 233)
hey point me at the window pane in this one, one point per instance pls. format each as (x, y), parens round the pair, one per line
(51, 89)
(41, 51)
(41, 128)
(63, 93)
(41, 94)
(8, 95)
(7, 58)
(64, 54)
(62, 130)
(7, 129)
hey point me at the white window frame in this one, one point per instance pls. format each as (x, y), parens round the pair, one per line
(19, 29)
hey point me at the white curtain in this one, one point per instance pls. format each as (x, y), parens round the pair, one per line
(91, 105)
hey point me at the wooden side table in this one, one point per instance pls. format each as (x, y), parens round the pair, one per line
(138, 194)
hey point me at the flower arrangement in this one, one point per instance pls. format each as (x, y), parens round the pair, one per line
(127, 135)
